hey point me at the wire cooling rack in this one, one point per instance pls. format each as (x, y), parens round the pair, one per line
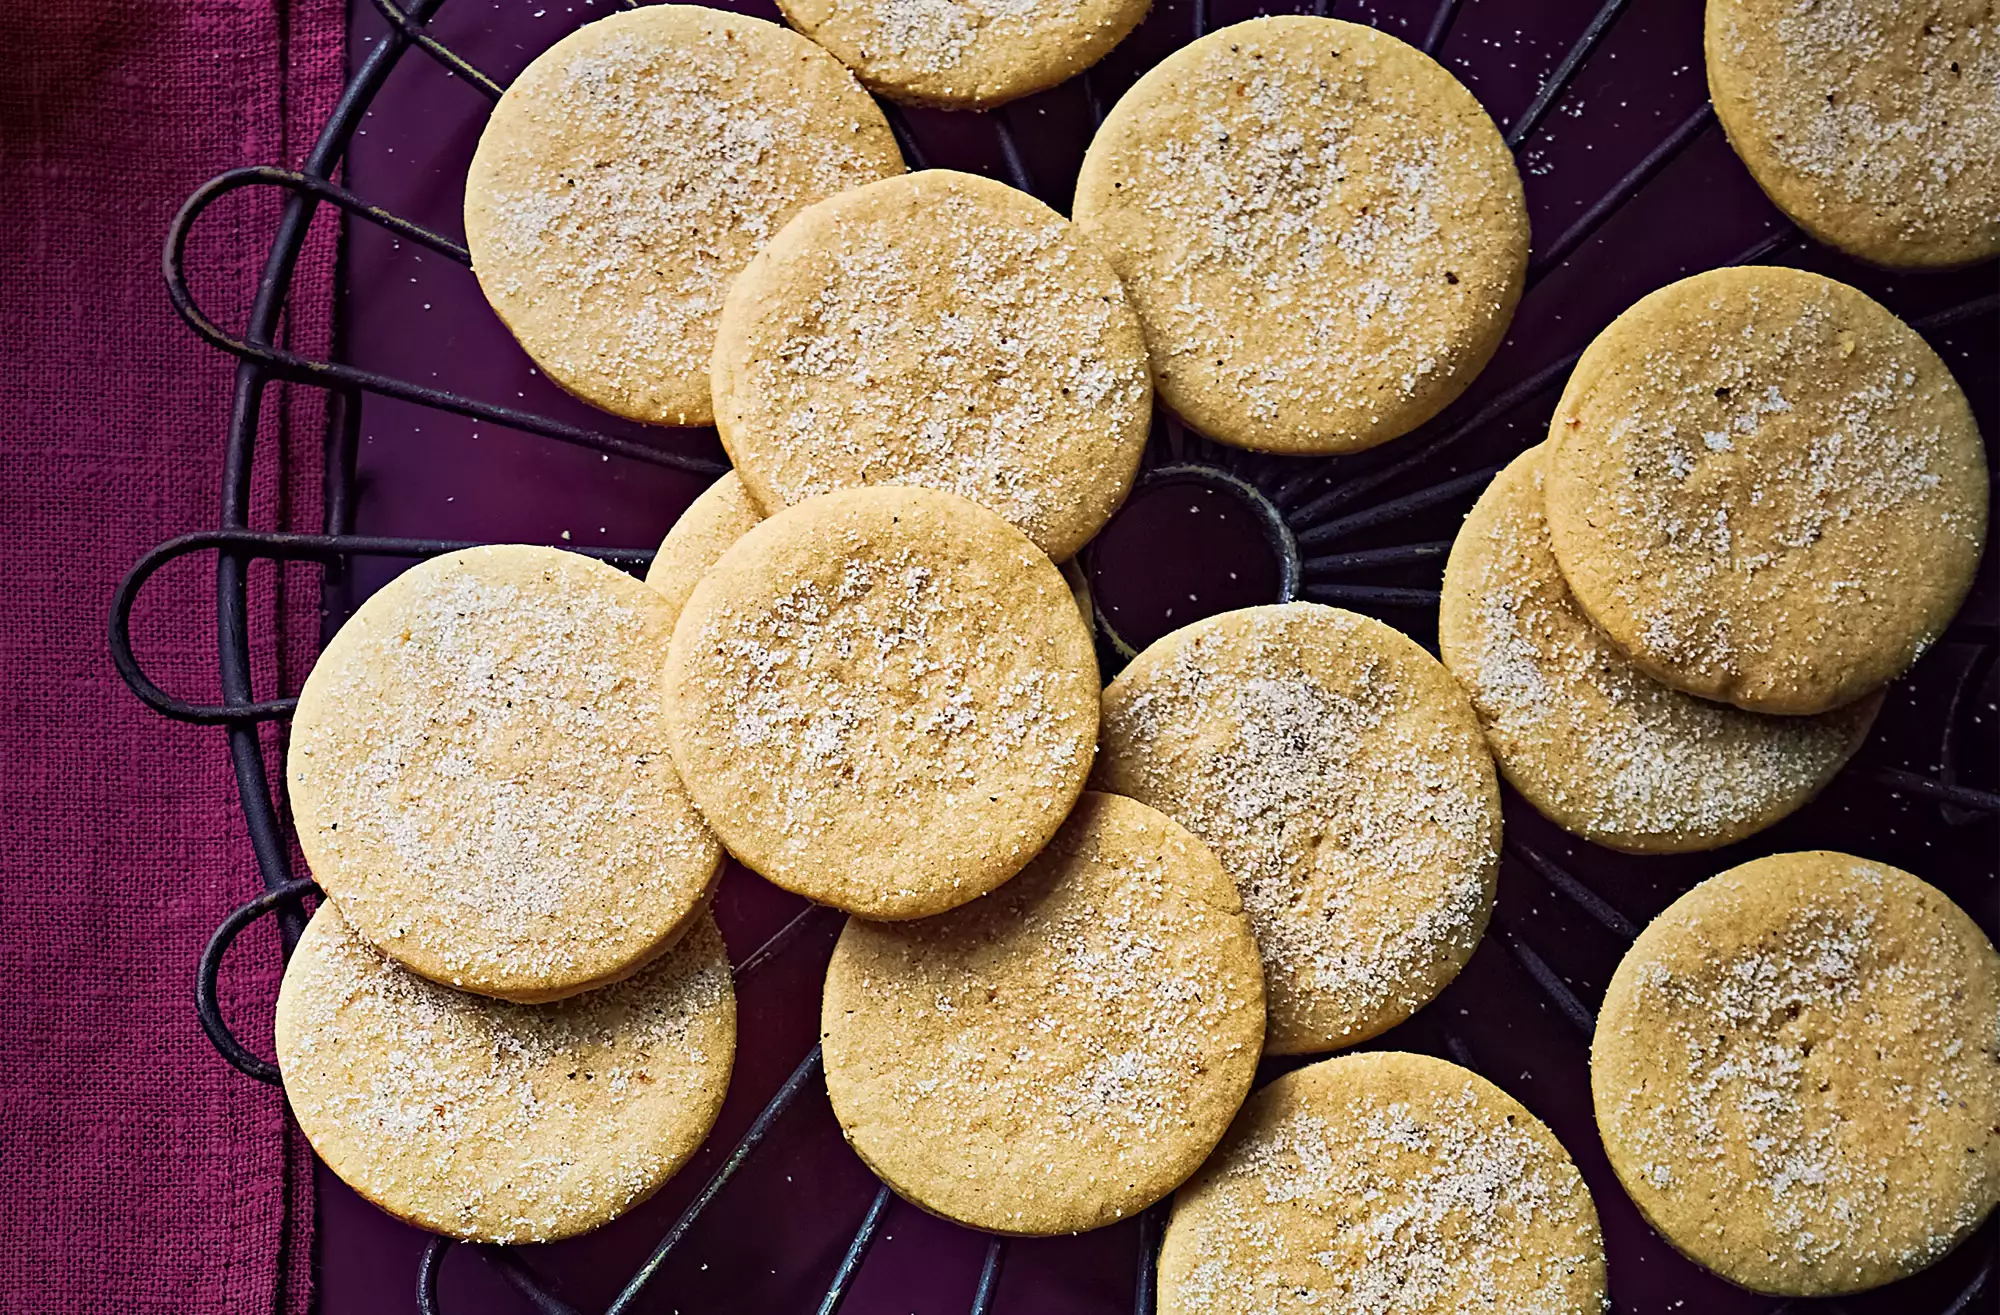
(1367, 532)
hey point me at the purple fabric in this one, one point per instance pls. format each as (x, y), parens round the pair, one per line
(139, 1173)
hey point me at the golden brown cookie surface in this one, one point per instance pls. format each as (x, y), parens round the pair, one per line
(480, 776)
(1766, 489)
(1797, 1076)
(632, 171)
(1873, 124)
(1339, 774)
(500, 1122)
(965, 54)
(1065, 1051)
(1378, 1182)
(942, 330)
(1602, 749)
(883, 699)
(1322, 231)
(712, 523)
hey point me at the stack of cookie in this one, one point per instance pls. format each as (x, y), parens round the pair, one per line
(1080, 915)
(1761, 498)
(514, 1019)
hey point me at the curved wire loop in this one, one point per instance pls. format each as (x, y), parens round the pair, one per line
(296, 368)
(207, 1001)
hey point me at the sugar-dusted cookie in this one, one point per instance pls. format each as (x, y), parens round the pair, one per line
(725, 513)
(1322, 231)
(1797, 1074)
(499, 1122)
(1339, 773)
(631, 172)
(1381, 1182)
(1602, 749)
(480, 775)
(1766, 489)
(965, 54)
(943, 330)
(1062, 1053)
(1873, 124)
(712, 523)
(883, 699)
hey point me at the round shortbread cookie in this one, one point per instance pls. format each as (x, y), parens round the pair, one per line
(1603, 750)
(709, 527)
(631, 172)
(1797, 1074)
(1062, 1053)
(480, 776)
(1338, 772)
(1766, 489)
(498, 1122)
(1873, 124)
(1322, 231)
(965, 54)
(1379, 1182)
(942, 330)
(883, 699)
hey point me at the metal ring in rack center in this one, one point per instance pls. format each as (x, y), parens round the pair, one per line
(1165, 560)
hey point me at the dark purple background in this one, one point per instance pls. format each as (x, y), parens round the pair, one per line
(772, 1240)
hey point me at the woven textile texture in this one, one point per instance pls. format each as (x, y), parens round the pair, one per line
(139, 1172)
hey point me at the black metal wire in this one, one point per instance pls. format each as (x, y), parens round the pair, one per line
(1370, 595)
(1010, 153)
(207, 997)
(269, 545)
(1961, 796)
(293, 367)
(1368, 559)
(1395, 508)
(261, 360)
(1558, 80)
(1579, 1015)
(857, 1251)
(791, 931)
(1669, 150)
(1559, 880)
(430, 1268)
(1944, 319)
(1152, 1225)
(807, 1071)
(1971, 678)
(989, 1277)
(906, 140)
(1971, 1292)
(1447, 14)
(417, 33)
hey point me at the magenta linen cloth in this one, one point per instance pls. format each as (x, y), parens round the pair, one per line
(138, 1173)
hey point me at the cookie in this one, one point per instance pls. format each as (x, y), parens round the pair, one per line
(497, 1122)
(883, 699)
(1338, 772)
(712, 523)
(1766, 489)
(1797, 1076)
(1062, 1053)
(480, 778)
(965, 54)
(1381, 1182)
(1322, 231)
(1603, 750)
(941, 330)
(1872, 124)
(633, 170)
